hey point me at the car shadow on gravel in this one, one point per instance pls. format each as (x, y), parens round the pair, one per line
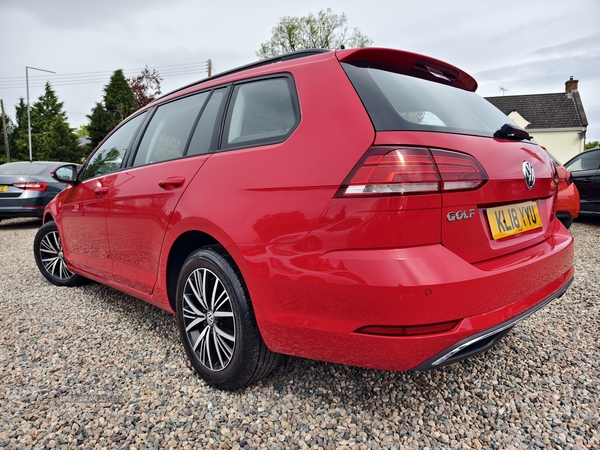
(302, 378)
(325, 385)
(355, 386)
(590, 220)
(20, 224)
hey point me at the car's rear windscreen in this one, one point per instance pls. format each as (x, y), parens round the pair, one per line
(23, 169)
(395, 101)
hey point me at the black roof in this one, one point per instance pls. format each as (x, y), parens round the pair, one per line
(544, 110)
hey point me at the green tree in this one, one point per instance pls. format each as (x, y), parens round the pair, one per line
(116, 105)
(323, 30)
(9, 131)
(52, 138)
(145, 87)
(592, 144)
(118, 98)
(82, 131)
(99, 125)
(18, 139)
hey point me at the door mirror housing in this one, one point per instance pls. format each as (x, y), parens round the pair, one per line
(66, 173)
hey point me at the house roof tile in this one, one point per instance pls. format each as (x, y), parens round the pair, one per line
(544, 110)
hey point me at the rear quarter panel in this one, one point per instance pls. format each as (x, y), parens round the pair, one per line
(276, 193)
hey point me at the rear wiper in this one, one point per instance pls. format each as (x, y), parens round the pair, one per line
(508, 131)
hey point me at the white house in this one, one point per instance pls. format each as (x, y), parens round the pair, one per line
(556, 121)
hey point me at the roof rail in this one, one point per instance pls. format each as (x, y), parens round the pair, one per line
(263, 62)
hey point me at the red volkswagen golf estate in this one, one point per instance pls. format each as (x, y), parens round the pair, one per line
(360, 206)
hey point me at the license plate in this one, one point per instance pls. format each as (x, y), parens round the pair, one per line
(3, 188)
(513, 219)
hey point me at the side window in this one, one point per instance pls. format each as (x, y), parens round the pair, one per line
(587, 161)
(109, 157)
(261, 112)
(204, 132)
(169, 130)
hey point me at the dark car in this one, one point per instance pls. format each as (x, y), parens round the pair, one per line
(27, 187)
(359, 206)
(586, 176)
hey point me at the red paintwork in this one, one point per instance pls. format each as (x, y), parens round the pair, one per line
(568, 196)
(413, 62)
(318, 267)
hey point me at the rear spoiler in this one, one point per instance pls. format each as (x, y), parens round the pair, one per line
(408, 63)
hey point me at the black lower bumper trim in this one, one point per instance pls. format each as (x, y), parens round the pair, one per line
(480, 342)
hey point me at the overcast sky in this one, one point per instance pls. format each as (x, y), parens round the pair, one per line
(526, 47)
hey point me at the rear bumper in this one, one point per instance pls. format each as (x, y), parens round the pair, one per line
(312, 305)
(485, 340)
(28, 204)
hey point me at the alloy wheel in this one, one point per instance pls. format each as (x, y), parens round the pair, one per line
(209, 319)
(52, 257)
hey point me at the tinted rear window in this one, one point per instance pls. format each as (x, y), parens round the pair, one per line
(23, 169)
(261, 112)
(400, 102)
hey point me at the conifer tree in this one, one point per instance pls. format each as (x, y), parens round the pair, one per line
(18, 140)
(99, 125)
(52, 138)
(117, 104)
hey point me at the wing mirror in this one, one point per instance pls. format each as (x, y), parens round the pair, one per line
(66, 174)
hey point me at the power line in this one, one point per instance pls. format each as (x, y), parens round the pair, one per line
(108, 71)
(99, 77)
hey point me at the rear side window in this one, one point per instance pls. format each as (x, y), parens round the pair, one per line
(169, 130)
(260, 112)
(396, 101)
(108, 158)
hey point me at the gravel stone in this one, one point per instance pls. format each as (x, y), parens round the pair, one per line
(91, 368)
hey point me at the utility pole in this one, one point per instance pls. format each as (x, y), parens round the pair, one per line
(5, 131)
(209, 63)
(28, 113)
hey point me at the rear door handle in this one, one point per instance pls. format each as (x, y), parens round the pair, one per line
(101, 191)
(168, 184)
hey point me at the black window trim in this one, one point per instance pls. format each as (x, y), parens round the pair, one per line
(134, 147)
(295, 103)
(214, 140)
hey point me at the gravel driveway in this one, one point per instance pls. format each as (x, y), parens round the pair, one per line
(90, 367)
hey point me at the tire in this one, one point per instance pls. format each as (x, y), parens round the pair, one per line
(47, 250)
(217, 324)
(567, 221)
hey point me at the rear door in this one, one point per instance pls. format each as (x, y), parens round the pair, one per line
(173, 148)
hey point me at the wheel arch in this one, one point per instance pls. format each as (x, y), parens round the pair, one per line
(47, 217)
(182, 247)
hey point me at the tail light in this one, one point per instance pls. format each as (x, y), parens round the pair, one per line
(32, 186)
(569, 178)
(412, 170)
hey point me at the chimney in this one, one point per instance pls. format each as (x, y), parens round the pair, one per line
(571, 85)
